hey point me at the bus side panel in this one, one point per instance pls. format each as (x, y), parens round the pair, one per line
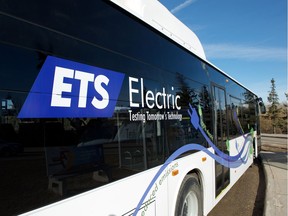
(123, 195)
(242, 147)
(236, 145)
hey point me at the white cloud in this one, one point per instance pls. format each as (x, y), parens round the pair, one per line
(237, 51)
(182, 6)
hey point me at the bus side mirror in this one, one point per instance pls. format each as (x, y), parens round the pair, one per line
(262, 106)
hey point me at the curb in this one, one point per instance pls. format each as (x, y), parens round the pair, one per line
(266, 183)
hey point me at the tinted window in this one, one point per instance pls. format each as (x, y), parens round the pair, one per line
(38, 153)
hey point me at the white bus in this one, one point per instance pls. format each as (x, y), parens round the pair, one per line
(111, 108)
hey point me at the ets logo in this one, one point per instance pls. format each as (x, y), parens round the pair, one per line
(65, 88)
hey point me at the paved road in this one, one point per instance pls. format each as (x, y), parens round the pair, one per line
(275, 142)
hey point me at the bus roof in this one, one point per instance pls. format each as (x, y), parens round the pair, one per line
(159, 17)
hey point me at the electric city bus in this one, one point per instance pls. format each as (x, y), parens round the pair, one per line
(109, 107)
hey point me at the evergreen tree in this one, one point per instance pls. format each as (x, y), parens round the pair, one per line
(274, 111)
(285, 114)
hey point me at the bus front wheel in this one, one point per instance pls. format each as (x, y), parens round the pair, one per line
(189, 200)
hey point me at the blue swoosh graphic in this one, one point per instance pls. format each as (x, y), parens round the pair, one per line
(194, 118)
(222, 158)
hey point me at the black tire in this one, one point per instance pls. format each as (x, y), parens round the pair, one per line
(190, 199)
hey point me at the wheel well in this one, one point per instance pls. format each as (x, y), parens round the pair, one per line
(199, 176)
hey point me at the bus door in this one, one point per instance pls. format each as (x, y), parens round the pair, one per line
(220, 131)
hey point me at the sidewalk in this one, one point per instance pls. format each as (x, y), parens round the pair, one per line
(275, 169)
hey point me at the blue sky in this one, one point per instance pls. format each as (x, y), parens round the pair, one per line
(246, 39)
